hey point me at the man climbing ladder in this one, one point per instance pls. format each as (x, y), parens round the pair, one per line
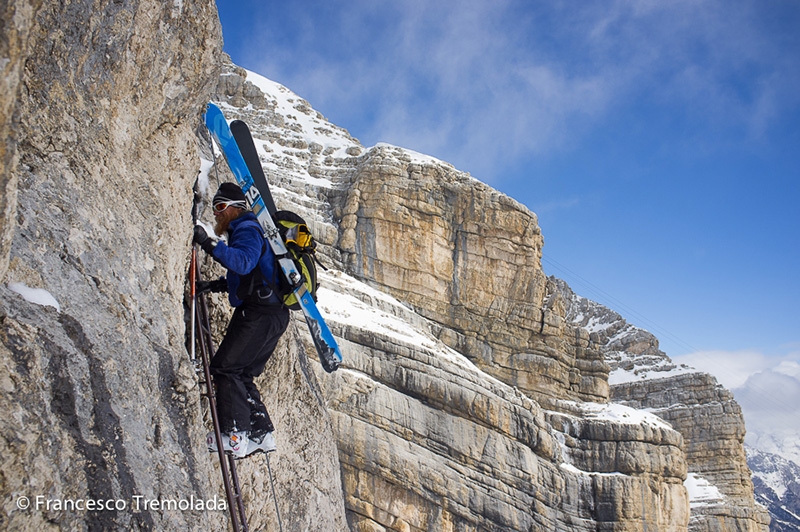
(258, 321)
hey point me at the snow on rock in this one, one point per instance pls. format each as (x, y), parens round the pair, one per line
(622, 414)
(202, 176)
(39, 296)
(626, 369)
(701, 491)
(414, 156)
(350, 302)
(777, 486)
(631, 352)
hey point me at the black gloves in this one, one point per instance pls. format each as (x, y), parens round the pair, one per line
(220, 285)
(202, 238)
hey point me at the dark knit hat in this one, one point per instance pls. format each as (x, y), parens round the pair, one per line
(230, 193)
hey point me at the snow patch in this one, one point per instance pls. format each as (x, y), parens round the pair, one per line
(348, 301)
(572, 469)
(701, 491)
(202, 175)
(315, 128)
(347, 309)
(621, 414)
(630, 369)
(38, 296)
(416, 157)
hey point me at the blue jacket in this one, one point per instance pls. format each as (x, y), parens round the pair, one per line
(243, 254)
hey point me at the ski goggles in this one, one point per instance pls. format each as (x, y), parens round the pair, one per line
(222, 205)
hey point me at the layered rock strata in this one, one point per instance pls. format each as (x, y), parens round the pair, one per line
(694, 404)
(430, 442)
(430, 439)
(712, 424)
(468, 258)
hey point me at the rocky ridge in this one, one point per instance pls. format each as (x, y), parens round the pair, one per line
(693, 403)
(777, 487)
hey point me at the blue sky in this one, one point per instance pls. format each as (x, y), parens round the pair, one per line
(658, 142)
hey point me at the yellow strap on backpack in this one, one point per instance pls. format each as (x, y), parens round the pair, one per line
(298, 234)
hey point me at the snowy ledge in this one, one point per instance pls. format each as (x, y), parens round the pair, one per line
(572, 469)
(643, 373)
(701, 491)
(613, 412)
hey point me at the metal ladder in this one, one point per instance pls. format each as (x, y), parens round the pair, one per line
(201, 337)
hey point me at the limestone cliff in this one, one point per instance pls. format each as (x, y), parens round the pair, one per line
(101, 101)
(451, 382)
(461, 405)
(705, 413)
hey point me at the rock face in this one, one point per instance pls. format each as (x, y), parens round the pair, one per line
(15, 22)
(461, 405)
(713, 427)
(100, 401)
(705, 413)
(100, 102)
(468, 258)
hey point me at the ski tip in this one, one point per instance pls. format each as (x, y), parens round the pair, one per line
(213, 116)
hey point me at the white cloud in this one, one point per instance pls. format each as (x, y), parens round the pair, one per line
(768, 390)
(789, 367)
(769, 401)
(731, 368)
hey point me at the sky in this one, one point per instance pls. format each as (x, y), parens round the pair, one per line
(657, 142)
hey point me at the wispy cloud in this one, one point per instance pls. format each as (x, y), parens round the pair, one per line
(479, 83)
(559, 205)
(769, 402)
(731, 368)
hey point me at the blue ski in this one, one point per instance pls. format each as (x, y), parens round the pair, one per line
(328, 350)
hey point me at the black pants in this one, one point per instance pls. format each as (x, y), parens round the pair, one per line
(251, 338)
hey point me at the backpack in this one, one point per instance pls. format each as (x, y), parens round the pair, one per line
(302, 249)
(274, 290)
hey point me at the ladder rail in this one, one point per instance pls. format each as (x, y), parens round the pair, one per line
(230, 479)
(238, 491)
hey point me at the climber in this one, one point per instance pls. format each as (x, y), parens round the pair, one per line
(258, 321)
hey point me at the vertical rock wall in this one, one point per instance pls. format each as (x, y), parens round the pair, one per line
(469, 258)
(16, 18)
(712, 424)
(101, 102)
(706, 415)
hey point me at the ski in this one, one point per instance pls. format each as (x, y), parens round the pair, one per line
(327, 349)
(241, 133)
